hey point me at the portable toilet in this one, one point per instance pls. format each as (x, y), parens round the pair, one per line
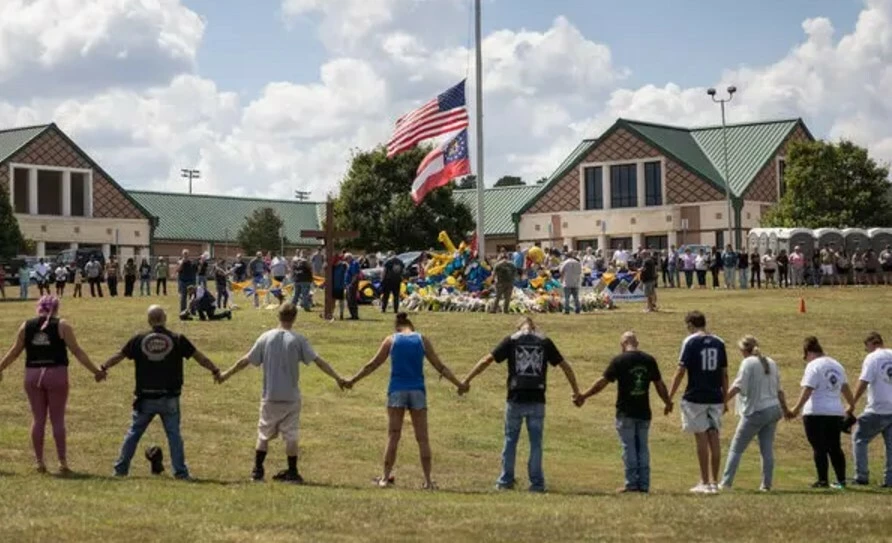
(879, 238)
(829, 236)
(753, 239)
(856, 238)
(774, 240)
(763, 240)
(804, 239)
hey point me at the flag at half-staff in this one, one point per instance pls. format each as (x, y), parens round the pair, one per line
(441, 166)
(444, 114)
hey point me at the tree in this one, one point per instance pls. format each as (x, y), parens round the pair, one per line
(375, 200)
(261, 231)
(468, 182)
(832, 186)
(509, 181)
(542, 181)
(11, 239)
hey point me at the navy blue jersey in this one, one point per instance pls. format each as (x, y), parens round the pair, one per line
(704, 358)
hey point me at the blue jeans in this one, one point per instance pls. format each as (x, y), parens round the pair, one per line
(636, 453)
(181, 289)
(674, 279)
(729, 277)
(743, 275)
(515, 414)
(763, 424)
(871, 425)
(169, 410)
(144, 286)
(571, 292)
(302, 295)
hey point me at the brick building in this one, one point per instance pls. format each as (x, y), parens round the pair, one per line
(645, 184)
(63, 199)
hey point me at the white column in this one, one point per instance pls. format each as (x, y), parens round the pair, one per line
(88, 196)
(144, 252)
(73, 245)
(32, 191)
(672, 238)
(41, 248)
(639, 178)
(602, 243)
(66, 194)
(605, 182)
(106, 250)
(637, 241)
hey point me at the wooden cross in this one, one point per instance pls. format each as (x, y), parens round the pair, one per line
(329, 237)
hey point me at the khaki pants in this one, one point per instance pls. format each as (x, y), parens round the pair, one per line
(504, 292)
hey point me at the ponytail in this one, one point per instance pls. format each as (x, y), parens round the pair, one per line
(750, 345)
(402, 321)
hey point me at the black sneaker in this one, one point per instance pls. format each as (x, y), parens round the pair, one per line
(155, 456)
(820, 484)
(257, 475)
(858, 482)
(286, 476)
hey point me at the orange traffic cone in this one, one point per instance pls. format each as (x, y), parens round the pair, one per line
(802, 305)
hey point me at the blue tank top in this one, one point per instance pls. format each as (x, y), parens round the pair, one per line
(406, 362)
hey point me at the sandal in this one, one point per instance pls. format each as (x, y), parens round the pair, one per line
(385, 483)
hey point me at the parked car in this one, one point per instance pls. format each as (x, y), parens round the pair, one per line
(79, 256)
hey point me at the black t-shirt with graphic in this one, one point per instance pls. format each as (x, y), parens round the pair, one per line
(648, 270)
(393, 270)
(159, 358)
(528, 355)
(633, 373)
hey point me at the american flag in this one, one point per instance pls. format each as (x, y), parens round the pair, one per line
(444, 114)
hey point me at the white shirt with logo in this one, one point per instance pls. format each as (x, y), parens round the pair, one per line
(825, 376)
(877, 373)
(621, 257)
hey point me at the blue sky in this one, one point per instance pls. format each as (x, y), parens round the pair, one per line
(688, 42)
(268, 96)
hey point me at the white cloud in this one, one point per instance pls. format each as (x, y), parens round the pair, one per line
(545, 90)
(66, 47)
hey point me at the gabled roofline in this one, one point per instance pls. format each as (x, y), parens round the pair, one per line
(153, 219)
(800, 123)
(561, 171)
(223, 197)
(509, 187)
(45, 127)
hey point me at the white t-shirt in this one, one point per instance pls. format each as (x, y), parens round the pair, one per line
(701, 263)
(277, 267)
(877, 373)
(825, 376)
(620, 257)
(758, 390)
(280, 353)
(571, 273)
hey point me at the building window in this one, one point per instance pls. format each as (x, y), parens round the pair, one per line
(720, 239)
(620, 243)
(594, 188)
(22, 190)
(653, 184)
(656, 243)
(78, 194)
(49, 192)
(583, 244)
(624, 186)
(781, 181)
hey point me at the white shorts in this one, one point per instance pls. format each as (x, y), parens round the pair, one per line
(828, 269)
(278, 418)
(697, 418)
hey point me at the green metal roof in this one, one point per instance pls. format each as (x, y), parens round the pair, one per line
(572, 160)
(219, 218)
(499, 206)
(750, 147)
(15, 138)
(681, 144)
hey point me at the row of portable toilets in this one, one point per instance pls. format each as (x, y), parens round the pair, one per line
(809, 241)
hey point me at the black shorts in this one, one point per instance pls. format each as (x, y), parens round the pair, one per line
(870, 270)
(60, 284)
(337, 293)
(887, 268)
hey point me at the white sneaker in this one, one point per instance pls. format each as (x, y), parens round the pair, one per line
(701, 488)
(713, 488)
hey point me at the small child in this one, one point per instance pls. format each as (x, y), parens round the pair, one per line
(78, 280)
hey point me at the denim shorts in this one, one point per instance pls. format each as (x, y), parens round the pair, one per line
(407, 399)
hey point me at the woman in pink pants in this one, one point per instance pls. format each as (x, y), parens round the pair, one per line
(46, 341)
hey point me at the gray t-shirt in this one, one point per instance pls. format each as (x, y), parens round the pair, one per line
(280, 353)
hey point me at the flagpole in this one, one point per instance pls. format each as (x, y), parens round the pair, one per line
(481, 241)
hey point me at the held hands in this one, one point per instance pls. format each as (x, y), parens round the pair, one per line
(463, 388)
(668, 408)
(790, 415)
(344, 384)
(100, 375)
(578, 399)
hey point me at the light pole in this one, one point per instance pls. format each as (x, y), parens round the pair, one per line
(190, 174)
(722, 101)
(301, 195)
(226, 235)
(281, 242)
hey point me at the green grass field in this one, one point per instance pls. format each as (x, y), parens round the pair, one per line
(343, 434)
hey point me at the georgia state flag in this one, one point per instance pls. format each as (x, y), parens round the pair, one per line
(441, 166)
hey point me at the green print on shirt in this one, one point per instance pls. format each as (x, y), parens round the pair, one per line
(639, 381)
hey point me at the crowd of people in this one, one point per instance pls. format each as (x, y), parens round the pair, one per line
(159, 355)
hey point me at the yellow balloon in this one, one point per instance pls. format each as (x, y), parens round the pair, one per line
(451, 281)
(536, 254)
(446, 241)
